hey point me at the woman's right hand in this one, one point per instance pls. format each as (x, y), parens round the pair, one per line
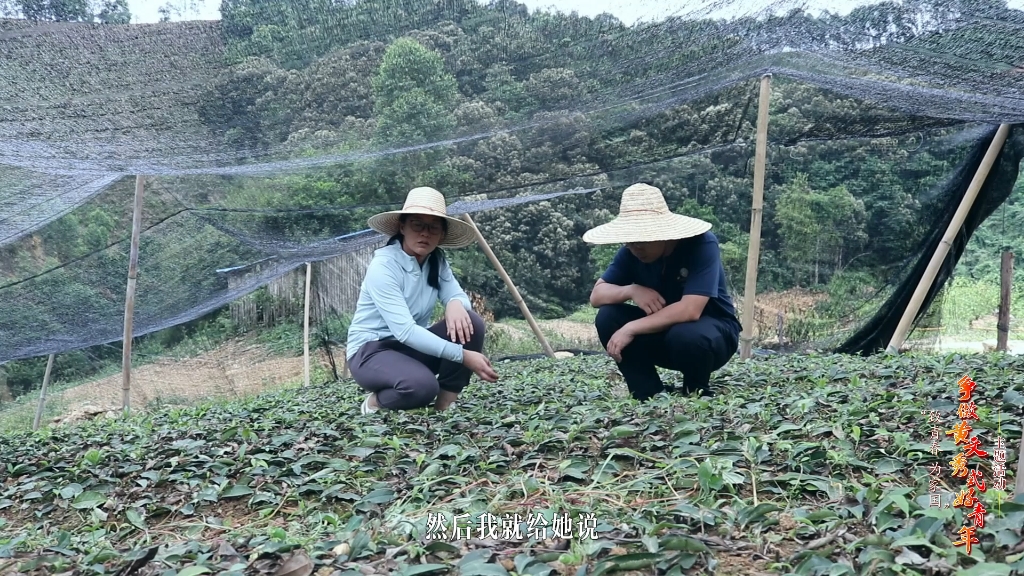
(480, 365)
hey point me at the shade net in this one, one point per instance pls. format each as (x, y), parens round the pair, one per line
(268, 137)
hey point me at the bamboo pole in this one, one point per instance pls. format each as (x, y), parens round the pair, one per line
(129, 301)
(756, 209)
(305, 331)
(1005, 283)
(42, 394)
(942, 249)
(511, 287)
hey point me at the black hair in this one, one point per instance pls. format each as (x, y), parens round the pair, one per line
(435, 258)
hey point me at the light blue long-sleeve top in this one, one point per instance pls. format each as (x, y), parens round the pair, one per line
(395, 301)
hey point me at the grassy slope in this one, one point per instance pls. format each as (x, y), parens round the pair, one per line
(838, 448)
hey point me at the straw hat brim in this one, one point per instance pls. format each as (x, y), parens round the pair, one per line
(646, 228)
(460, 234)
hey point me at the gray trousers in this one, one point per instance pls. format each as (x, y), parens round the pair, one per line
(404, 378)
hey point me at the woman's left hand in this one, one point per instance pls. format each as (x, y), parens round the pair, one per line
(458, 322)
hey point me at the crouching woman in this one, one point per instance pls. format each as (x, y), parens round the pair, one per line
(391, 352)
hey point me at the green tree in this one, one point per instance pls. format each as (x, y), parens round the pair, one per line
(414, 97)
(818, 226)
(114, 12)
(59, 10)
(105, 11)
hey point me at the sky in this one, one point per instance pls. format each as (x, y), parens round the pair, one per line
(628, 11)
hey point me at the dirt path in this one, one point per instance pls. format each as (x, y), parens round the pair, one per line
(575, 333)
(233, 370)
(1015, 347)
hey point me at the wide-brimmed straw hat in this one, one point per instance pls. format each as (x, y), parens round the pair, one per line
(644, 217)
(428, 202)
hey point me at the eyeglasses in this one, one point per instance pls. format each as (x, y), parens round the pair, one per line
(419, 226)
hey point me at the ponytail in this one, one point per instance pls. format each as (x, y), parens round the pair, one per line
(435, 259)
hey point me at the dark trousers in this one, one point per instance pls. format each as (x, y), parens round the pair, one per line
(696, 349)
(404, 378)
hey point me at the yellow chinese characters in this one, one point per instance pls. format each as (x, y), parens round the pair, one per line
(970, 447)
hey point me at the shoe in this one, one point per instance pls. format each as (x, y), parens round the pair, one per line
(365, 408)
(704, 392)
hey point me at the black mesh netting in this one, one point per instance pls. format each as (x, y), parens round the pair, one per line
(268, 137)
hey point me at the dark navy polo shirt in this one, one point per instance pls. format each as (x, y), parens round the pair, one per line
(693, 267)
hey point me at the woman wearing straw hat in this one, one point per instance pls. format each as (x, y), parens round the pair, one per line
(670, 267)
(391, 352)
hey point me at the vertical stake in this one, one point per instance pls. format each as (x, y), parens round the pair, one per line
(305, 331)
(756, 210)
(42, 394)
(1005, 284)
(129, 301)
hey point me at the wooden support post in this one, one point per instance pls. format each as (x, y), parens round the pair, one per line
(942, 249)
(42, 393)
(1005, 283)
(756, 209)
(511, 287)
(129, 301)
(305, 331)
